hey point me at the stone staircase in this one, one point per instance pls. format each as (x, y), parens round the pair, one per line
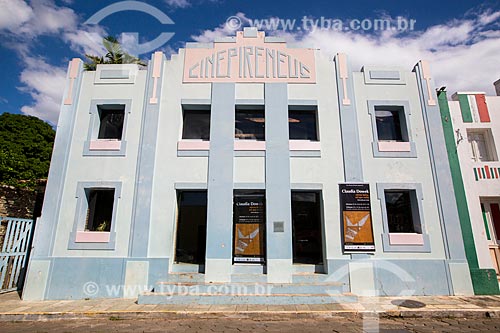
(190, 288)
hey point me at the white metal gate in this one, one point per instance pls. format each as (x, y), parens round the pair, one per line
(15, 235)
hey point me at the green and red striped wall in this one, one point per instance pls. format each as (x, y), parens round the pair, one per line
(473, 107)
(486, 172)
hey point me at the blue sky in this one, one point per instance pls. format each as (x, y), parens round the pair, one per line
(461, 39)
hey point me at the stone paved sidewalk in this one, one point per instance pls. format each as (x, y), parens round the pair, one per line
(12, 308)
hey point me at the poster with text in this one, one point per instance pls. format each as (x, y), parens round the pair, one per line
(356, 217)
(249, 227)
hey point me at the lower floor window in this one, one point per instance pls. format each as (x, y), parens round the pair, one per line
(402, 216)
(100, 209)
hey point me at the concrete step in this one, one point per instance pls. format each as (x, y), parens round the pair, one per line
(312, 278)
(173, 288)
(305, 268)
(180, 277)
(304, 277)
(277, 299)
(187, 268)
(249, 278)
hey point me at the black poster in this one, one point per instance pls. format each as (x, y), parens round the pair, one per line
(249, 226)
(356, 217)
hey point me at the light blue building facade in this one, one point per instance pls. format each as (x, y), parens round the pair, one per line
(222, 166)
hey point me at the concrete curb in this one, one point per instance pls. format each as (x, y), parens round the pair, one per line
(254, 315)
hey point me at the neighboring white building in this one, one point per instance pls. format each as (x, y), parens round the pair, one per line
(248, 161)
(476, 121)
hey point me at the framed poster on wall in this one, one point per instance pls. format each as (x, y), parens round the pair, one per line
(249, 228)
(355, 210)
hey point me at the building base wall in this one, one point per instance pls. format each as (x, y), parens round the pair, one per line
(82, 278)
(36, 280)
(485, 281)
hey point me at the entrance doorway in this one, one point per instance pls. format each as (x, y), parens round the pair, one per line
(249, 222)
(191, 238)
(490, 208)
(306, 227)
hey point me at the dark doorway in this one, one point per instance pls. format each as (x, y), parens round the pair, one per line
(306, 224)
(191, 227)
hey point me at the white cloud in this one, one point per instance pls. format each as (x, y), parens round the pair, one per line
(169, 51)
(45, 18)
(488, 17)
(20, 24)
(464, 53)
(178, 3)
(221, 31)
(45, 83)
(88, 41)
(14, 14)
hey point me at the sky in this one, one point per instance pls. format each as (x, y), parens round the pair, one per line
(460, 39)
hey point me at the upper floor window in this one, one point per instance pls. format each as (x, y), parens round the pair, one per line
(390, 123)
(249, 124)
(107, 132)
(196, 124)
(302, 125)
(111, 118)
(391, 129)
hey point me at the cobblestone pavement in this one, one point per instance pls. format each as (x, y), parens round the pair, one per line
(318, 325)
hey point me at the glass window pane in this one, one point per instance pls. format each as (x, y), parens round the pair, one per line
(399, 211)
(196, 125)
(100, 211)
(250, 125)
(302, 125)
(388, 123)
(111, 123)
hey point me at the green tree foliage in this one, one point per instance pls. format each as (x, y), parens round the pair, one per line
(115, 55)
(25, 149)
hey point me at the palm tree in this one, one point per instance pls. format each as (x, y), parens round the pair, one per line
(115, 55)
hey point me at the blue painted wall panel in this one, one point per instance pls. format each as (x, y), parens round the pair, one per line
(278, 196)
(220, 172)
